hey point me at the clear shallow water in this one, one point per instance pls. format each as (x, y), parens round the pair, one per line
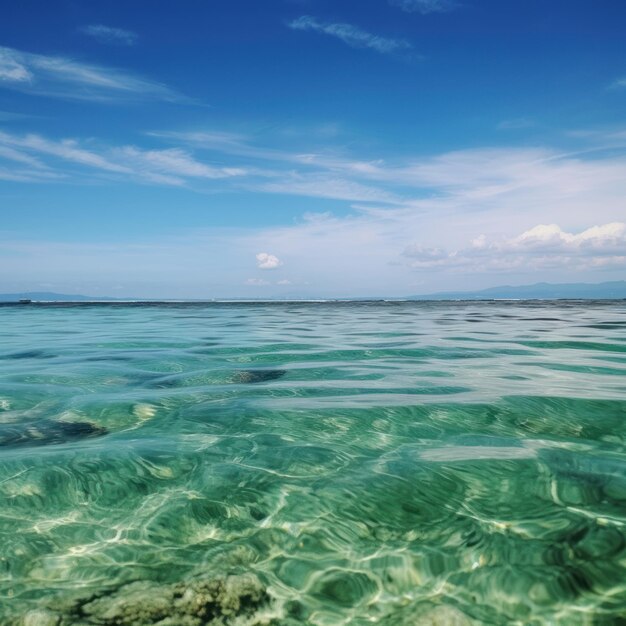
(392, 463)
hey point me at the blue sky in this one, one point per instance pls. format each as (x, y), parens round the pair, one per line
(310, 148)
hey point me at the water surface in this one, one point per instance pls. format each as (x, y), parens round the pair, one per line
(321, 463)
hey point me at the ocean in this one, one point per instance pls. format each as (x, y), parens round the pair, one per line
(448, 463)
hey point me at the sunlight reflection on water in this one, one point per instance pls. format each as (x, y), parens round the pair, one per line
(396, 463)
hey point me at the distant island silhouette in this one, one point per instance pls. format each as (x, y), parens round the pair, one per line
(538, 291)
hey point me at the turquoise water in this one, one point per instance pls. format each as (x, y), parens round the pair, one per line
(391, 463)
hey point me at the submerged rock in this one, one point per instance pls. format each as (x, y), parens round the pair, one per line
(47, 432)
(217, 377)
(427, 614)
(257, 376)
(202, 602)
(28, 354)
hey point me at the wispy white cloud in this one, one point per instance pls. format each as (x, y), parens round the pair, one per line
(21, 166)
(11, 154)
(67, 149)
(11, 116)
(327, 185)
(424, 6)
(11, 70)
(27, 175)
(351, 35)
(516, 181)
(173, 166)
(235, 144)
(518, 123)
(110, 35)
(61, 77)
(267, 261)
(211, 139)
(620, 83)
(174, 161)
(487, 177)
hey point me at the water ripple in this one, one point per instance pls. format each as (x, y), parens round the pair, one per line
(345, 463)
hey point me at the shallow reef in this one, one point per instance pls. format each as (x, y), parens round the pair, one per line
(231, 600)
(47, 432)
(257, 376)
(213, 378)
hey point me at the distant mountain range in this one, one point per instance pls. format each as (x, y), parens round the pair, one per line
(539, 291)
(49, 296)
